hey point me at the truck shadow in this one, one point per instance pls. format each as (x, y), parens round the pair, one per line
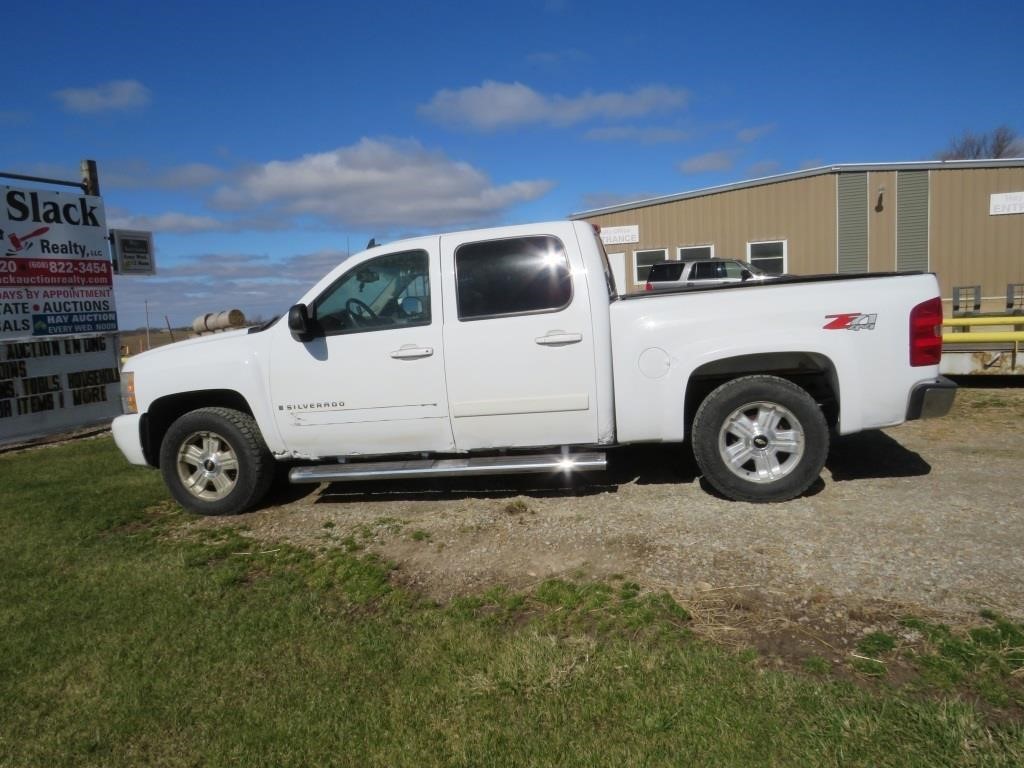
(642, 464)
(873, 454)
(857, 457)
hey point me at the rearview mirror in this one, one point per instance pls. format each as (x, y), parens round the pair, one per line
(298, 323)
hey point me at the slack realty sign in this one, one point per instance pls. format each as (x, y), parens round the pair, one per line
(58, 324)
(42, 223)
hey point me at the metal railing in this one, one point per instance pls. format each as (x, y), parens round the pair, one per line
(969, 336)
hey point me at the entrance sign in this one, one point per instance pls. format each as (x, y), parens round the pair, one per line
(620, 235)
(1005, 203)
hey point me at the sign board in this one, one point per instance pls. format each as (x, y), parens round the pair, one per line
(133, 252)
(620, 235)
(48, 385)
(58, 348)
(1006, 202)
(55, 276)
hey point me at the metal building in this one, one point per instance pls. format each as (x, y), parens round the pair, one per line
(963, 220)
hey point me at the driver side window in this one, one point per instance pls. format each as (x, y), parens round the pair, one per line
(389, 291)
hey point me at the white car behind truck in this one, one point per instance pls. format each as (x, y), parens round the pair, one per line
(508, 350)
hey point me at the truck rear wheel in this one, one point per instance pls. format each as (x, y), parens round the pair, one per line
(215, 462)
(760, 439)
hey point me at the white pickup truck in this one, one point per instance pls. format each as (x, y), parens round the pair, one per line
(508, 350)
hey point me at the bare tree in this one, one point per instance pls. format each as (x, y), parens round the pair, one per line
(999, 142)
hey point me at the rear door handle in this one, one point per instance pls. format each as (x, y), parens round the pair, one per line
(559, 338)
(411, 352)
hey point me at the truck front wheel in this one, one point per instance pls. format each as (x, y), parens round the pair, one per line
(215, 462)
(760, 439)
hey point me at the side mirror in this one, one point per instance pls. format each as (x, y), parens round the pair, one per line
(298, 323)
(746, 276)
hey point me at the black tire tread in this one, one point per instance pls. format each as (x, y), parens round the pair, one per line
(246, 495)
(704, 440)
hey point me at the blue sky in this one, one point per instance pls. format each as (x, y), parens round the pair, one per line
(259, 141)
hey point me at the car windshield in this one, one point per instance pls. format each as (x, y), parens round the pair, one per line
(757, 272)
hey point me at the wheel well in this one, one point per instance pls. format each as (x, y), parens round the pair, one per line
(166, 410)
(810, 371)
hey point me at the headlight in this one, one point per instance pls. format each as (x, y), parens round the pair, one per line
(128, 404)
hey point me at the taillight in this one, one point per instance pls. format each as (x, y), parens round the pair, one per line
(926, 333)
(648, 286)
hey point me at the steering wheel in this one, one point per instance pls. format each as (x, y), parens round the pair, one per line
(360, 310)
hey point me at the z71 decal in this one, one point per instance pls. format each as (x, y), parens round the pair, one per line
(850, 321)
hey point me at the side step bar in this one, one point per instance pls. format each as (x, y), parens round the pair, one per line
(483, 465)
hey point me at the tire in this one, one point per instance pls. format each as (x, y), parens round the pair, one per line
(760, 439)
(214, 461)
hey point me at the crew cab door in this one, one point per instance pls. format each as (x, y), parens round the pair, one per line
(519, 345)
(371, 380)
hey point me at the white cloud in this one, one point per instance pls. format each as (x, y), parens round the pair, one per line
(256, 284)
(634, 133)
(494, 105)
(747, 135)
(138, 174)
(764, 168)
(377, 184)
(710, 161)
(172, 222)
(189, 176)
(115, 95)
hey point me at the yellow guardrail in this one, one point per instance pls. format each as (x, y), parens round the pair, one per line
(981, 337)
(987, 320)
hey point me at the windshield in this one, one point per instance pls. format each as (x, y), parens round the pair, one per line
(758, 272)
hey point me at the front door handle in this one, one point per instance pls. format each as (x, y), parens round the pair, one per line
(559, 338)
(411, 352)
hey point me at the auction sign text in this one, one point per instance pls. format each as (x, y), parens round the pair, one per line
(58, 322)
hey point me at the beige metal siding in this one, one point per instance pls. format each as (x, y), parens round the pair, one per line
(852, 204)
(912, 221)
(968, 246)
(962, 243)
(801, 211)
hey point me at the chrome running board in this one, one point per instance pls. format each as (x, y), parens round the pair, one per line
(482, 465)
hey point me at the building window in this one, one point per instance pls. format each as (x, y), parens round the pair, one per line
(769, 255)
(512, 277)
(692, 252)
(642, 261)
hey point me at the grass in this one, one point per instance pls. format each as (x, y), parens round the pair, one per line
(126, 639)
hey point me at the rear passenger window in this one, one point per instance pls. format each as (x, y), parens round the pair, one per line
(667, 271)
(512, 277)
(707, 270)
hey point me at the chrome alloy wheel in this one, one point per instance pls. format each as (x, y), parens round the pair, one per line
(207, 466)
(761, 442)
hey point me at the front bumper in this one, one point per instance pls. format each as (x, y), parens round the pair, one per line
(128, 437)
(931, 399)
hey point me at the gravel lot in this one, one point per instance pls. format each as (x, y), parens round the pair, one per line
(927, 517)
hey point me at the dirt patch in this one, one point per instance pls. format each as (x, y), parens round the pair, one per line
(925, 518)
